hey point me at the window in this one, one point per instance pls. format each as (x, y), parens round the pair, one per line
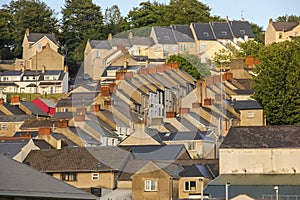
(40, 47)
(250, 114)
(191, 46)
(64, 110)
(243, 32)
(69, 176)
(21, 63)
(224, 33)
(182, 47)
(205, 34)
(95, 176)
(3, 127)
(280, 35)
(5, 78)
(150, 185)
(190, 185)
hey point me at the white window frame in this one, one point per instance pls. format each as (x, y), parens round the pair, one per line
(151, 185)
(3, 126)
(95, 176)
(187, 186)
(250, 114)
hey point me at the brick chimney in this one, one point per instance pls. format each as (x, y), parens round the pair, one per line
(81, 110)
(183, 111)
(104, 91)
(63, 123)
(1, 101)
(14, 100)
(170, 114)
(79, 117)
(95, 108)
(44, 131)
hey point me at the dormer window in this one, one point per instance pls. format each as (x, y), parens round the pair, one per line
(205, 34)
(243, 32)
(224, 33)
(167, 37)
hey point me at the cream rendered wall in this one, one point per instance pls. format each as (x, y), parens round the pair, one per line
(48, 57)
(29, 50)
(256, 120)
(84, 180)
(260, 160)
(182, 194)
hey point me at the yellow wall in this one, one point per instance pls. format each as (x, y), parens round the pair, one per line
(84, 180)
(181, 186)
(247, 120)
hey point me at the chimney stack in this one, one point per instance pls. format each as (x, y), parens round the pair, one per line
(43, 69)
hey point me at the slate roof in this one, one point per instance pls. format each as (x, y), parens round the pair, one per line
(183, 135)
(241, 28)
(114, 118)
(36, 123)
(245, 105)
(197, 170)
(104, 132)
(15, 177)
(49, 102)
(111, 156)
(10, 148)
(14, 109)
(182, 33)
(221, 30)
(100, 44)
(145, 41)
(69, 159)
(164, 35)
(63, 115)
(132, 166)
(171, 169)
(5, 84)
(200, 119)
(284, 26)
(115, 42)
(156, 152)
(262, 137)
(34, 37)
(203, 31)
(84, 135)
(33, 108)
(11, 73)
(42, 144)
(14, 118)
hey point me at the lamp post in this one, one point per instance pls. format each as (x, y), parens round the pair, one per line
(276, 188)
(226, 190)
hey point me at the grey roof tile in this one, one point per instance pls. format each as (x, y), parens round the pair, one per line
(221, 30)
(203, 31)
(182, 33)
(100, 44)
(284, 26)
(17, 176)
(164, 35)
(240, 29)
(34, 37)
(245, 104)
(10, 148)
(33, 108)
(262, 137)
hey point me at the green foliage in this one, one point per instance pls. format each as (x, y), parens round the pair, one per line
(147, 14)
(22, 14)
(258, 31)
(187, 11)
(81, 20)
(249, 48)
(288, 18)
(190, 64)
(223, 57)
(277, 85)
(30, 97)
(114, 22)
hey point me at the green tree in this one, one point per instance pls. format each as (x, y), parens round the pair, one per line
(147, 14)
(114, 22)
(81, 20)
(258, 31)
(276, 86)
(6, 35)
(187, 11)
(249, 48)
(190, 64)
(32, 14)
(288, 18)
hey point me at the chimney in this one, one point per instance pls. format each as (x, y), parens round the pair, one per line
(1, 101)
(109, 36)
(79, 117)
(66, 68)
(43, 69)
(23, 68)
(183, 111)
(270, 21)
(27, 32)
(95, 108)
(81, 110)
(15, 99)
(196, 105)
(170, 114)
(130, 35)
(44, 131)
(62, 123)
(104, 91)
(208, 102)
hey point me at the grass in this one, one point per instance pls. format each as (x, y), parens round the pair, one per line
(30, 97)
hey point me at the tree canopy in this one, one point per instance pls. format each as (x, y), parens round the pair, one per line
(277, 85)
(81, 20)
(190, 64)
(22, 14)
